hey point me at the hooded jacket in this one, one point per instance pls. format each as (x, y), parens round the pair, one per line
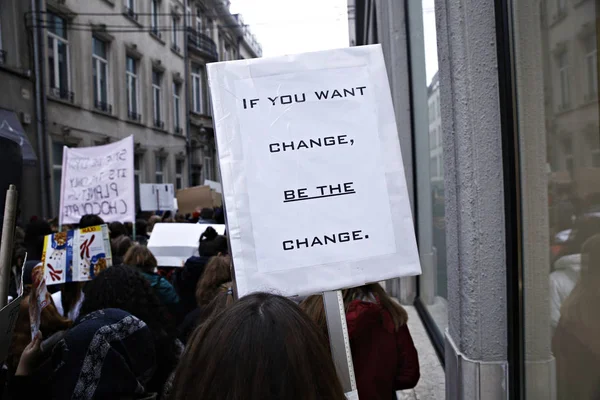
(384, 360)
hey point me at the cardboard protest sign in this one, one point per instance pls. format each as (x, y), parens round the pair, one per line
(8, 318)
(172, 244)
(157, 197)
(98, 180)
(195, 197)
(76, 256)
(216, 186)
(312, 172)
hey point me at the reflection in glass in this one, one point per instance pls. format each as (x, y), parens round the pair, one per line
(556, 64)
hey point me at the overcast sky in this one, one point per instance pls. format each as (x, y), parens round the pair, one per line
(297, 26)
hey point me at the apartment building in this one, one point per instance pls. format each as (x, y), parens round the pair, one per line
(113, 68)
(214, 34)
(17, 106)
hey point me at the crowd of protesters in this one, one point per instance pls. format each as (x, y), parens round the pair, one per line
(138, 331)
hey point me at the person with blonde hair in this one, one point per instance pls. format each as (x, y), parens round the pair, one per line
(142, 258)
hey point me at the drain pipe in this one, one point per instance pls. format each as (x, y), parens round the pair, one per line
(40, 109)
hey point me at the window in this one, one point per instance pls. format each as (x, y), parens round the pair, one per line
(154, 16)
(137, 172)
(130, 4)
(591, 67)
(188, 16)
(157, 99)
(563, 74)
(57, 160)
(177, 107)
(197, 89)
(558, 206)
(568, 154)
(100, 73)
(208, 168)
(58, 57)
(129, 9)
(132, 89)
(199, 24)
(174, 33)
(179, 174)
(159, 169)
(561, 6)
(209, 28)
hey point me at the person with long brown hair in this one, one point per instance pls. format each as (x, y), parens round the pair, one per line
(261, 348)
(385, 358)
(216, 279)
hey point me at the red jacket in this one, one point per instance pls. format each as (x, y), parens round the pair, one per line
(384, 360)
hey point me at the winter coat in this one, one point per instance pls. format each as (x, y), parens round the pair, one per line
(163, 289)
(384, 360)
(185, 280)
(566, 274)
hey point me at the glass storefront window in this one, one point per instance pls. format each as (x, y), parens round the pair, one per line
(428, 136)
(556, 80)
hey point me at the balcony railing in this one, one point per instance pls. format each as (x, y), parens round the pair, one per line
(102, 106)
(62, 94)
(2, 56)
(178, 130)
(134, 116)
(176, 48)
(159, 124)
(203, 44)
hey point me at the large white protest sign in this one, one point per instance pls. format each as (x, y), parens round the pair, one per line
(312, 172)
(98, 180)
(157, 197)
(172, 243)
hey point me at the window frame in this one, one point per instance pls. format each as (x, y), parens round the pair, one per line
(97, 62)
(174, 29)
(155, 15)
(179, 173)
(132, 77)
(176, 106)
(157, 110)
(197, 92)
(56, 39)
(208, 161)
(159, 173)
(563, 77)
(591, 67)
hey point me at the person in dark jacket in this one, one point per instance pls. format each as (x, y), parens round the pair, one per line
(80, 368)
(384, 355)
(185, 279)
(125, 288)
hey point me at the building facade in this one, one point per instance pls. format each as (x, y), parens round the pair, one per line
(108, 69)
(508, 227)
(214, 34)
(17, 102)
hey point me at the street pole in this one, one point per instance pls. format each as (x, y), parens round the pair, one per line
(188, 96)
(40, 109)
(8, 232)
(339, 340)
